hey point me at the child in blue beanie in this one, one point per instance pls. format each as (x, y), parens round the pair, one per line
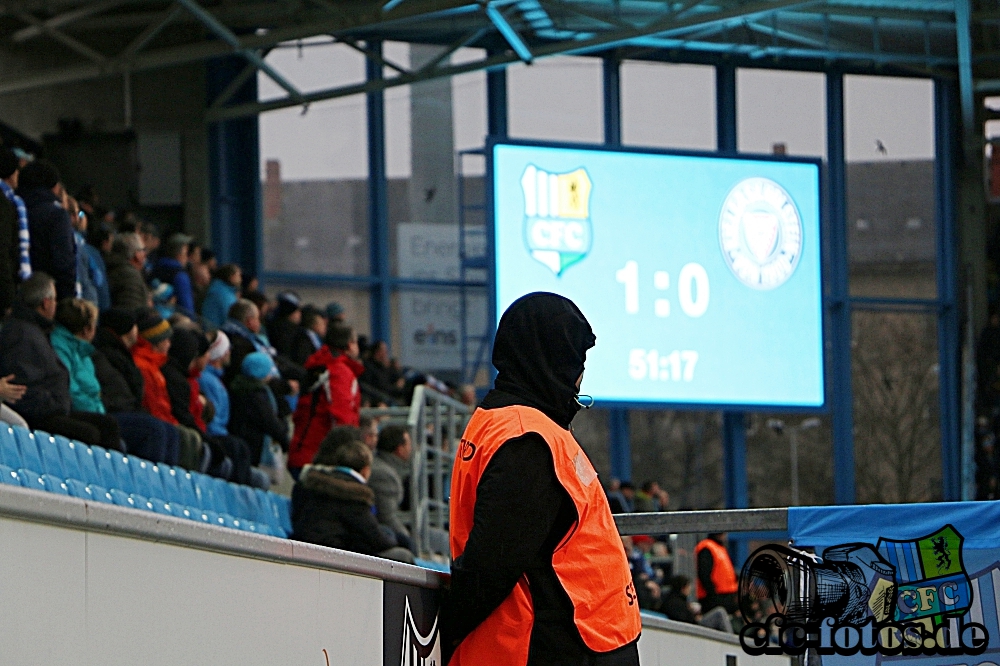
(254, 415)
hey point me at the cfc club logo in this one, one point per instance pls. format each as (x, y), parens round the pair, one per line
(760, 232)
(557, 229)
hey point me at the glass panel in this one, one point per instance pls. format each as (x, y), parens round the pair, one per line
(315, 166)
(781, 112)
(668, 106)
(556, 99)
(896, 410)
(784, 447)
(889, 125)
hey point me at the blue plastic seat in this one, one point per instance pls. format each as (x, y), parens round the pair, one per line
(204, 489)
(9, 454)
(141, 502)
(29, 450)
(9, 476)
(246, 500)
(78, 488)
(156, 485)
(266, 511)
(284, 506)
(69, 456)
(105, 468)
(31, 479)
(225, 500)
(226, 520)
(122, 467)
(87, 463)
(185, 486)
(140, 476)
(180, 511)
(54, 484)
(51, 460)
(100, 494)
(210, 517)
(121, 498)
(160, 506)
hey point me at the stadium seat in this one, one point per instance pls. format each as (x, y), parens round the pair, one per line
(140, 502)
(29, 450)
(49, 452)
(8, 476)
(100, 494)
(184, 484)
(181, 511)
(31, 479)
(284, 505)
(121, 498)
(205, 491)
(267, 512)
(105, 467)
(225, 500)
(9, 455)
(160, 506)
(122, 466)
(147, 478)
(87, 462)
(54, 484)
(79, 489)
(70, 457)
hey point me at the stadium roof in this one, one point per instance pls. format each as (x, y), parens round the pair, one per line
(97, 38)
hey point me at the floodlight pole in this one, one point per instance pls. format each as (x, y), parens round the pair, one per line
(378, 204)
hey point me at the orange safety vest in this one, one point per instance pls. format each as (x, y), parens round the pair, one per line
(723, 574)
(590, 562)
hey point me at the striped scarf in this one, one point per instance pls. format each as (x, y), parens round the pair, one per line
(24, 238)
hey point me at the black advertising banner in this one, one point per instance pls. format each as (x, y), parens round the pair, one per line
(410, 626)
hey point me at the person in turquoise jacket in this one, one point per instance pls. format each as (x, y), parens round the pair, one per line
(75, 351)
(223, 291)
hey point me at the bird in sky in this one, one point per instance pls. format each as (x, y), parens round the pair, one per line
(880, 147)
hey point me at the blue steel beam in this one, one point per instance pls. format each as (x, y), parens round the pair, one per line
(509, 33)
(378, 205)
(949, 347)
(963, 42)
(838, 295)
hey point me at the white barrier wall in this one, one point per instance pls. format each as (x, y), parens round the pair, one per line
(95, 584)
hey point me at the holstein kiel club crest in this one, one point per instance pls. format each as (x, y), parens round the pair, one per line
(760, 232)
(557, 226)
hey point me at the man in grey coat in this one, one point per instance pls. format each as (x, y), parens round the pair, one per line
(390, 473)
(128, 287)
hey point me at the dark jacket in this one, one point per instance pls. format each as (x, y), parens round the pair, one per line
(10, 253)
(303, 347)
(127, 286)
(253, 416)
(120, 378)
(522, 512)
(170, 271)
(26, 353)
(180, 393)
(675, 606)
(281, 333)
(53, 247)
(332, 508)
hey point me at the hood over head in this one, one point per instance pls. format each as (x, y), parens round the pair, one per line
(539, 352)
(184, 346)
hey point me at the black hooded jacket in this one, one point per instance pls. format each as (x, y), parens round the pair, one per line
(522, 512)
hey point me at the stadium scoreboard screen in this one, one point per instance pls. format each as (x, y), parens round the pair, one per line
(699, 274)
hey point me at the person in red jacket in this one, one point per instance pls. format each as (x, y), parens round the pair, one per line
(150, 354)
(334, 400)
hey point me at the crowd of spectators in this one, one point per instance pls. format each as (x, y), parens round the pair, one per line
(115, 338)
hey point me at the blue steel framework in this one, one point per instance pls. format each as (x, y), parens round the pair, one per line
(840, 304)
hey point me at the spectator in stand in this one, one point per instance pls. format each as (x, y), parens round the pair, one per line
(368, 426)
(186, 401)
(27, 353)
(170, 268)
(53, 249)
(335, 401)
(149, 233)
(125, 273)
(716, 584)
(122, 388)
(11, 393)
(310, 334)
(622, 499)
(99, 240)
(677, 607)
(223, 291)
(386, 383)
(150, 355)
(208, 260)
(15, 239)
(389, 478)
(72, 338)
(84, 279)
(332, 504)
(201, 278)
(210, 381)
(284, 323)
(335, 313)
(651, 498)
(254, 409)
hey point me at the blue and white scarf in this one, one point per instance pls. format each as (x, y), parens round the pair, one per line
(24, 238)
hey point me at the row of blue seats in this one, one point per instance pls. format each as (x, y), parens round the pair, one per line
(56, 464)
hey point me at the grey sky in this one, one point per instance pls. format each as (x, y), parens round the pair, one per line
(560, 99)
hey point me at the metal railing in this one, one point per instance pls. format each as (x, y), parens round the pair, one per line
(436, 423)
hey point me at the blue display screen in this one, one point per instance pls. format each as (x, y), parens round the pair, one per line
(700, 275)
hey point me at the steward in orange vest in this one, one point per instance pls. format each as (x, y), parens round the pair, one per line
(539, 574)
(717, 584)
